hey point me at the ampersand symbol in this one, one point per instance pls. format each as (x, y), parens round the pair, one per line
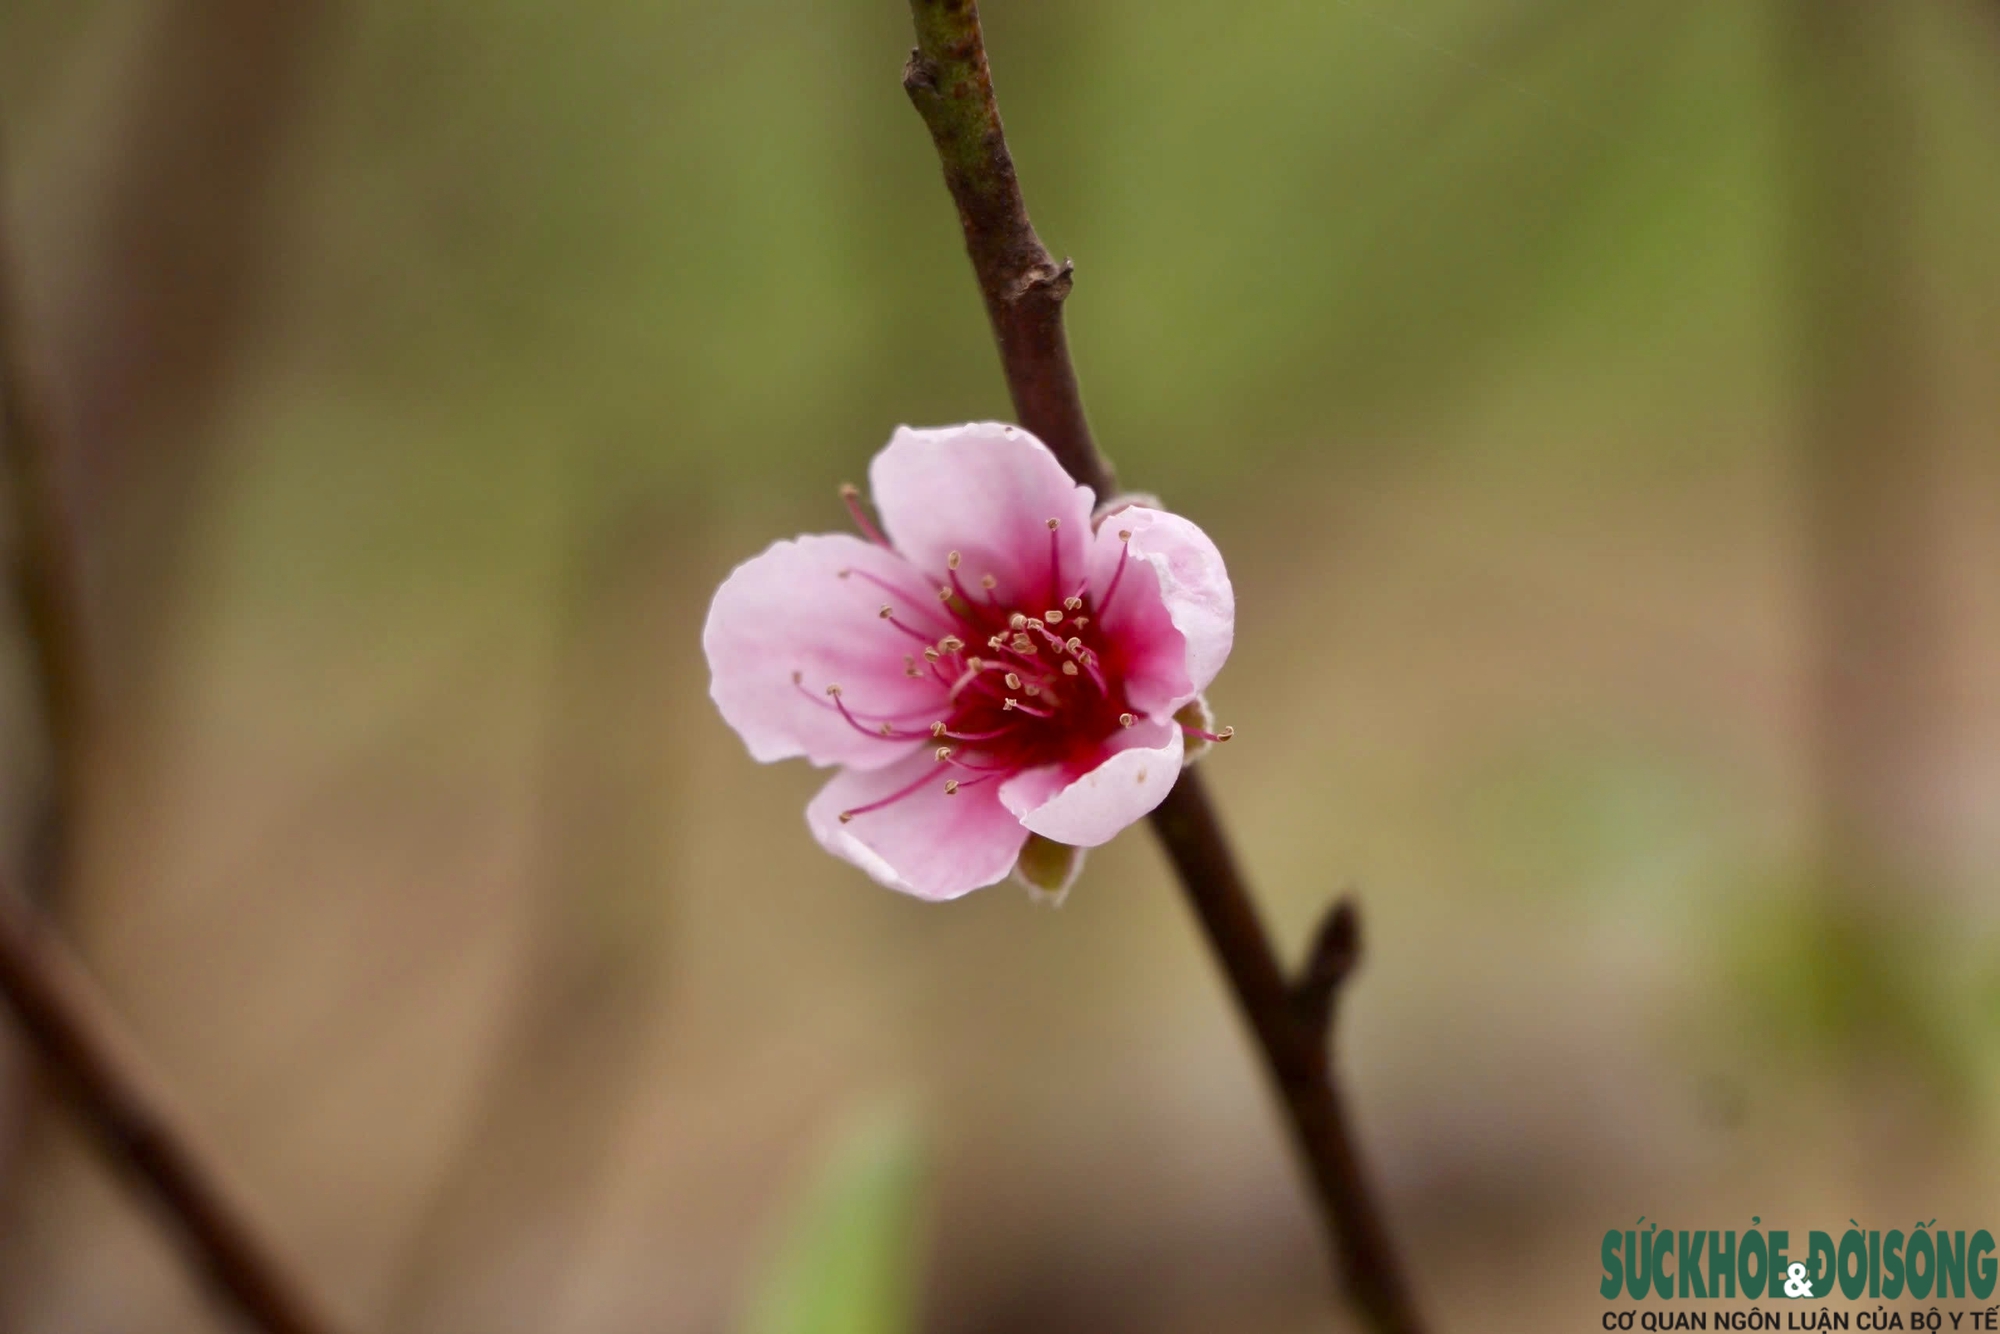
(1796, 1282)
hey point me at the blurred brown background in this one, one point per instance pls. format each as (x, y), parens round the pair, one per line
(1597, 405)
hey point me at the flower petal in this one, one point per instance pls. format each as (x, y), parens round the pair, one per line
(986, 490)
(1173, 614)
(1090, 808)
(927, 843)
(788, 623)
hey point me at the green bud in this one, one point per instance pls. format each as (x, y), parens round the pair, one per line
(1048, 868)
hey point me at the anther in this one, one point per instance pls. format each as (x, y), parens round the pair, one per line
(937, 728)
(1072, 604)
(1225, 734)
(845, 573)
(951, 787)
(1073, 643)
(1023, 644)
(798, 678)
(988, 582)
(887, 730)
(1126, 720)
(1052, 616)
(951, 644)
(1069, 669)
(1054, 524)
(1009, 704)
(951, 560)
(976, 664)
(1013, 681)
(845, 816)
(942, 754)
(1080, 621)
(833, 690)
(1018, 621)
(850, 495)
(1124, 534)
(886, 612)
(944, 592)
(1031, 691)
(931, 654)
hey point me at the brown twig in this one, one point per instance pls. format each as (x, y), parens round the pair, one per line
(49, 585)
(64, 1018)
(951, 86)
(87, 1052)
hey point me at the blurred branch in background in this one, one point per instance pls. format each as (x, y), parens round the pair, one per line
(951, 86)
(95, 1064)
(139, 318)
(143, 264)
(1873, 476)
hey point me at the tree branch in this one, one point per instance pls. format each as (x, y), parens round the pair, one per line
(951, 86)
(61, 1014)
(85, 1048)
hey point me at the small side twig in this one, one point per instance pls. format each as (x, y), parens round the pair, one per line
(951, 85)
(95, 1064)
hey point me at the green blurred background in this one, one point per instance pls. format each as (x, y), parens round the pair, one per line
(1597, 405)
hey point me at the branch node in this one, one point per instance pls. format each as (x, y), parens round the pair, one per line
(919, 74)
(1046, 282)
(1336, 950)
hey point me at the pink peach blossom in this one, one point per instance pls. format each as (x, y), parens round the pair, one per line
(981, 668)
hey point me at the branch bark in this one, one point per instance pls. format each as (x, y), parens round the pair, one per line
(61, 1014)
(80, 1040)
(951, 85)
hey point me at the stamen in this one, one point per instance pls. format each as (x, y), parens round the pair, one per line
(850, 495)
(888, 613)
(901, 594)
(1117, 575)
(889, 800)
(952, 785)
(1017, 706)
(979, 736)
(1223, 735)
(833, 701)
(1055, 557)
(884, 730)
